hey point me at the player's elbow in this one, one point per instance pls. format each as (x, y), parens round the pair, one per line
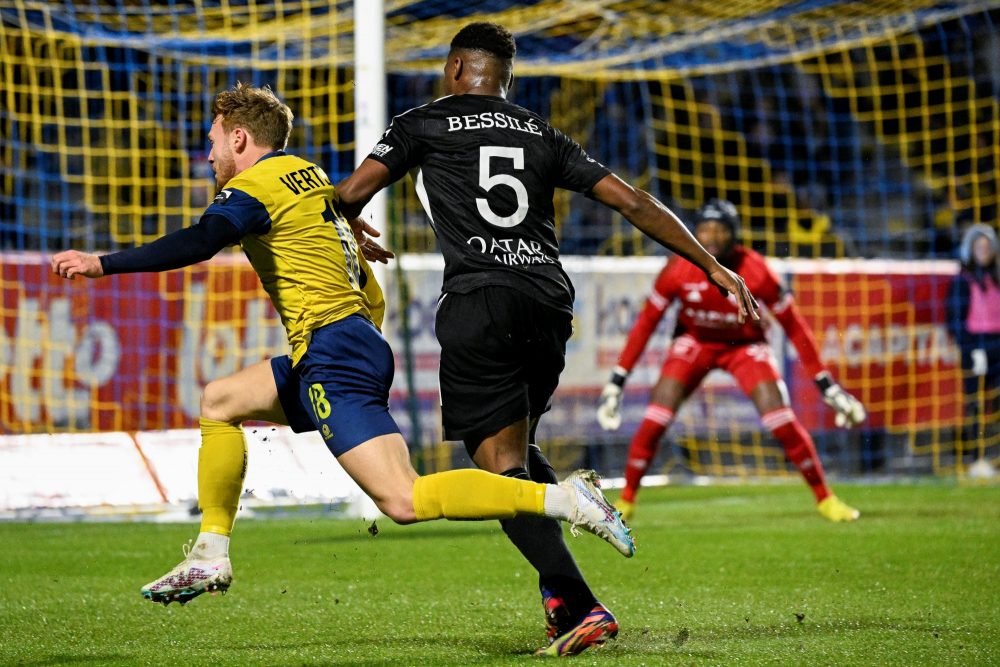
(635, 204)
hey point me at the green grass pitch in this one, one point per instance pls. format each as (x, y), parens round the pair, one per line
(744, 575)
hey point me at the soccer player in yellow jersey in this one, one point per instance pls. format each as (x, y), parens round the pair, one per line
(283, 211)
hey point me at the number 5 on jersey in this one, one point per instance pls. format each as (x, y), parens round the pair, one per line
(488, 180)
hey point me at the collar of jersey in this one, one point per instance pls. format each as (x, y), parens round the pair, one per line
(271, 154)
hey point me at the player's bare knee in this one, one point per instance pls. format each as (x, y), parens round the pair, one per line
(214, 402)
(397, 504)
(399, 509)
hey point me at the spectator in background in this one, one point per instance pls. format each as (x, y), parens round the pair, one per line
(974, 321)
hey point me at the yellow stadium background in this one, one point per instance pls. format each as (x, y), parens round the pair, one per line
(865, 133)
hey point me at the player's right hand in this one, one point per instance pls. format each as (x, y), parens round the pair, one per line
(364, 234)
(609, 415)
(731, 282)
(72, 263)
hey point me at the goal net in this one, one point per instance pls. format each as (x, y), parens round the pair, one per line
(857, 139)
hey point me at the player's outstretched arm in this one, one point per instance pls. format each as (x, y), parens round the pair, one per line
(184, 247)
(353, 194)
(73, 263)
(657, 221)
(609, 408)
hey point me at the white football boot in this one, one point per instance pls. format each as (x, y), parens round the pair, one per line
(592, 512)
(196, 574)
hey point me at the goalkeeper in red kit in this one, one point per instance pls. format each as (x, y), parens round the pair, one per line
(709, 335)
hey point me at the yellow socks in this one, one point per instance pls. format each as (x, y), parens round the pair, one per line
(222, 466)
(475, 494)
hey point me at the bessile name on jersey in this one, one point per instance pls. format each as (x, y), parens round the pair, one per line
(488, 120)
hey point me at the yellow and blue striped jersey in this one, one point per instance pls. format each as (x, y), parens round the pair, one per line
(300, 245)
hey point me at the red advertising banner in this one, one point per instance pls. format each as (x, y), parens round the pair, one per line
(133, 352)
(881, 329)
(128, 352)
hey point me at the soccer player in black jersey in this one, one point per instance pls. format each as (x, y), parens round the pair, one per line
(485, 170)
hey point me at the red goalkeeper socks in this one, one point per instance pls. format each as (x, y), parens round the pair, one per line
(645, 442)
(799, 448)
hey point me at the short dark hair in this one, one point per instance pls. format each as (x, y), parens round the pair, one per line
(489, 37)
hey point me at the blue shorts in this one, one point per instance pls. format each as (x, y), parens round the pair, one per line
(340, 387)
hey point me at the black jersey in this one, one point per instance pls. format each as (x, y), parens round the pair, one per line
(485, 171)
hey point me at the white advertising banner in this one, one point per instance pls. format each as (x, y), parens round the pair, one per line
(73, 470)
(158, 471)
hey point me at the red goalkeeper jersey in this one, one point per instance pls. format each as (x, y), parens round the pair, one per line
(710, 317)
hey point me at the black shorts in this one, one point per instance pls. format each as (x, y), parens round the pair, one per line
(501, 355)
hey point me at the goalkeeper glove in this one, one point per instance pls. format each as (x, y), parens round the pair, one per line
(609, 415)
(849, 409)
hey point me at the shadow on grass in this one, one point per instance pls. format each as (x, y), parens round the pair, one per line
(664, 638)
(389, 531)
(70, 659)
(465, 650)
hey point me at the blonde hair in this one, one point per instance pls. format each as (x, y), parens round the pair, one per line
(258, 111)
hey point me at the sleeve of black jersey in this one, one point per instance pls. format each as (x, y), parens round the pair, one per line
(577, 170)
(399, 149)
(184, 247)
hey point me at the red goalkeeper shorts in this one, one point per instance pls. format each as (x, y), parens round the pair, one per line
(690, 360)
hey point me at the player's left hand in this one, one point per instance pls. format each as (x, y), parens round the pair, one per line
(732, 283)
(364, 234)
(850, 412)
(72, 263)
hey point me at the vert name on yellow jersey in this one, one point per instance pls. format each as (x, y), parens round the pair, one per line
(300, 245)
